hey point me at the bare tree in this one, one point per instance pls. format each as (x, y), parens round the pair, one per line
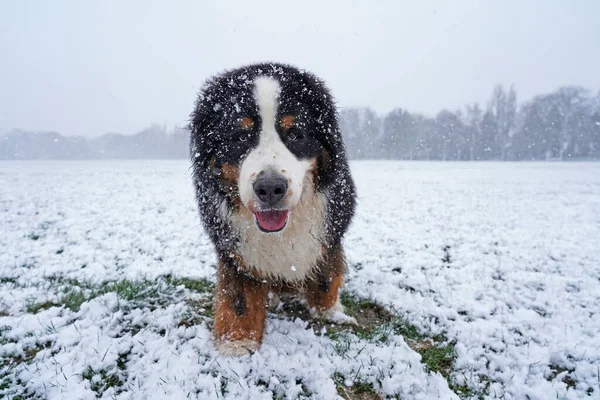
(503, 108)
(473, 122)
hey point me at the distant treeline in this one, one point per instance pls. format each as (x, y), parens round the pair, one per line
(564, 124)
(153, 142)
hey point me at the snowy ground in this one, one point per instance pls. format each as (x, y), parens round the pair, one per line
(105, 287)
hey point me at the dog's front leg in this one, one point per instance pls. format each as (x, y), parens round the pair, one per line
(323, 290)
(240, 311)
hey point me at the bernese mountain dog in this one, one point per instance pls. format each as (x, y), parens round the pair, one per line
(275, 195)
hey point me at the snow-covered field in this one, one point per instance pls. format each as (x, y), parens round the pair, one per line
(103, 292)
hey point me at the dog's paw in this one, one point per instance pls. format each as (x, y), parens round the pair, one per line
(336, 315)
(237, 348)
(339, 317)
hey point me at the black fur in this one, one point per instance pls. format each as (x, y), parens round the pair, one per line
(215, 141)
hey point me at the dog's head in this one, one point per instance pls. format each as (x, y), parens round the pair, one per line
(267, 134)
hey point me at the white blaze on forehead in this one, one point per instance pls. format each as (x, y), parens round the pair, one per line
(266, 94)
(271, 154)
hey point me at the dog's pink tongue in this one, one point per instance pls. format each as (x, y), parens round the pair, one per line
(272, 220)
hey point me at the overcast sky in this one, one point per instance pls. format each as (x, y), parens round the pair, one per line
(91, 67)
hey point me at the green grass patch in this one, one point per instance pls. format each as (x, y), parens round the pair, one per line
(11, 387)
(465, 392)
(199, 309)
(130, 290)
(358, 390)
(8, 280)
(74, 293)
(378, 325)
(101, 380)
(35, 307)
(567, 379)
(195, 285)
(438, 358)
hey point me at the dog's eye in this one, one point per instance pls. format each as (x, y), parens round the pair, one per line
(244, 136)
(295, 134)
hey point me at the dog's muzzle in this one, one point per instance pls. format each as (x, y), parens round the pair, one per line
(270, 190)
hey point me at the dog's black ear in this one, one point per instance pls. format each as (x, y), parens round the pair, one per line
(193, 128)
(200, 123)
(324, 172)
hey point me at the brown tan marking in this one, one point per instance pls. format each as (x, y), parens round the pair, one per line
(287, 121)
(246, 123)
(323, 289)
(326, 157)
(230, 173)
(314, 171)
(240, 306)
(319, 165)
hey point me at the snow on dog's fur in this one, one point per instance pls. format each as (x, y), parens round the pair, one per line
(274, 193)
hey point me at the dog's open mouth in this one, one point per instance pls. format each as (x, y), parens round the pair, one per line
(271, 220)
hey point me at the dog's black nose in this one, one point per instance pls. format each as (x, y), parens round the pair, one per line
(270, 190)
